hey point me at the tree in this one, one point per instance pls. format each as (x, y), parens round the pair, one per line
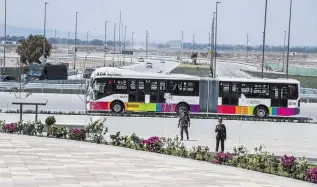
(97, 42)
(194, 57)
(31, 49)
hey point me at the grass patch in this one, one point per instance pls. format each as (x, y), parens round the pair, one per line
(190, 69)
(305, 81)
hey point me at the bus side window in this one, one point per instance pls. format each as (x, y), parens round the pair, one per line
(293, 92)
(284, 92)
(162, 90)
(246, 90)
(120, 86)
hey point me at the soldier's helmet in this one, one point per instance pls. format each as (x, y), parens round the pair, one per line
(220, 119)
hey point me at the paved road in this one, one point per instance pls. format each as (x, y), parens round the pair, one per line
(33, 161)
(158, 67)
(73, 102)
(279, 138)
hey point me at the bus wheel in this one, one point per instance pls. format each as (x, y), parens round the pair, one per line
(180, 107)
(261, 112)
(116, 107)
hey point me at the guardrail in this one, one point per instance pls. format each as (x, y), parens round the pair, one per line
(80, 85)
(11, 85)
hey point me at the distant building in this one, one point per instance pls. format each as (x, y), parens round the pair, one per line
(9, 42)
(175, 44)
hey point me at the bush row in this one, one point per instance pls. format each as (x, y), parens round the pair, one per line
(95, 132)
(165, 115)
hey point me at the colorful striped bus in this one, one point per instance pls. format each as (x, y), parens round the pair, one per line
(119, 90)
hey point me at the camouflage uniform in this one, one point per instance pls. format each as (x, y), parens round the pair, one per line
(184, 123)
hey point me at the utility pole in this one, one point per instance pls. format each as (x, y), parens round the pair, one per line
(182, 46)
(114, 44)
(263, 47)
(216, 29)
(44, 39)
(284, 52)
(289, 36)
(105, 49)
(212, 46)
(125, 33)
(75, 42)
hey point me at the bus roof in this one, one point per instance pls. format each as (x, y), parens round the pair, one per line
(258, 80)
(125, 73)
(112, 72)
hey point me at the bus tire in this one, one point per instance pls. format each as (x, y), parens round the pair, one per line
(117, 106)
(261, 111)
(182, 106)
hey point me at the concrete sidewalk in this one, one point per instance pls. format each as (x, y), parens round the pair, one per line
(33, 161)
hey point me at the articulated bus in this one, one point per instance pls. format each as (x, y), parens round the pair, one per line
(119, 90)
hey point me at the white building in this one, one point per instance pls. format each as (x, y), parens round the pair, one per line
(175, 44)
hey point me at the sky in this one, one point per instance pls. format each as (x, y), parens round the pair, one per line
(165, 19)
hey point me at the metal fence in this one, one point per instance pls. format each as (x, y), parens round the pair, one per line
(43, 88)
(292, 70)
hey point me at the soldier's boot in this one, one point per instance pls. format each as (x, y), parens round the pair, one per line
(181, 132)
(186, 131)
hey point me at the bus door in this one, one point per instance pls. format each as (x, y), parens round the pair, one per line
(230, 93)
(151, 91)
(279, 95)
(136, 91)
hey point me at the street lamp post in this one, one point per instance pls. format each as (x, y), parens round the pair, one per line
(75, 42)
(263, 47)
(119, 32)
(105, 49)
(146, 43)
(289, 36)
(125, 33)
(247, 48)
(284, 51)
(216, 29)
(44, 28)
(5, 37)
(212, 45)
(182, 46)
(193, 42)
(114, 44)
(87, 39)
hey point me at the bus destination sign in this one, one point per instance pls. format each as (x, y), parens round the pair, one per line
(107, 74)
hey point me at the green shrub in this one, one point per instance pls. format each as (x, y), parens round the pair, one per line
(39, 126)
(259, 160)
(59, 131)
(49, 122)
(96, 130)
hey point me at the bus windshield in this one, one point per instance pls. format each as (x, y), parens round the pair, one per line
(35, 72)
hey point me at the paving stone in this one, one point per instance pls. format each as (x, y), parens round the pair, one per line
(46, 162)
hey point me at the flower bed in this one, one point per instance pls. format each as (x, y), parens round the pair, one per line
(261, 160)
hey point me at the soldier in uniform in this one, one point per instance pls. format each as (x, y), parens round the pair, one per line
(184, 123)
(221, 135)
